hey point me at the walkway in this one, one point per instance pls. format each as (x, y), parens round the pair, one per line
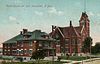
(89, 61)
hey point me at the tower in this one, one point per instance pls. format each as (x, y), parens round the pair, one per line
(85, 22)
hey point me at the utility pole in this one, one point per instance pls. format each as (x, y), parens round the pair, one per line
(53, 43)
(90, 48)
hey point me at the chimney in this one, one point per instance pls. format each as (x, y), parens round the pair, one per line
(53, 27)
(70, 23)
(21, 32)
(25, 31)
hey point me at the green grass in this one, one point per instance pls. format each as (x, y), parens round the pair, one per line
(5, 58)
(16, 63)
(75, 58)
(49, 62)
(41, 62)
(56, 62)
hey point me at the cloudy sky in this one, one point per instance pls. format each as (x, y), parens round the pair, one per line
(41, 14)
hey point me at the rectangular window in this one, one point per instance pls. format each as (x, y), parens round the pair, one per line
(5, 50)
(46, 44)
(66, 50)
(14, 52)
(4, 45)
(8, 45)
(30, 51)
(66, 41)
(73, 41)
(22, 52)
(21, 44)
(17, 44)
(8, 49)
(5, 53)
(18, 51)
(30, 43)
(25, 51)
(79, 42)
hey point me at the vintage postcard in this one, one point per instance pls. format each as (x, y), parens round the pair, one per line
(49, 32)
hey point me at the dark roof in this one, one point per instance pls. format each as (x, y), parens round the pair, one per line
(79, 29)
(69, 31)
(14, 39)
(35, 35)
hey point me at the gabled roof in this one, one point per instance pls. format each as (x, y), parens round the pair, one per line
(79, 29)
(65, 31)
(70, 31)
(35, 35)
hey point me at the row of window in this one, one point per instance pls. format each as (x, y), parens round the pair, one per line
(24, 51)
(19, 52)
(22, 44)
(14, 45)
(73, 49)
(73, 41)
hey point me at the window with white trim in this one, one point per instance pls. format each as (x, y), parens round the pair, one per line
(30, 43)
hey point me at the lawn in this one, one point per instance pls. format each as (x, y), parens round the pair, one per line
(17, 63)
(49, 62)
(75, 58)
(5, 58)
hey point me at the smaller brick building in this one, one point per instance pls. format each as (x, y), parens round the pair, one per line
(27, 42)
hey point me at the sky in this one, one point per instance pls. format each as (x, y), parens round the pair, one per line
(42, 14)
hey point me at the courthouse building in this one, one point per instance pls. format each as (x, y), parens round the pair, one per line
(71, 37)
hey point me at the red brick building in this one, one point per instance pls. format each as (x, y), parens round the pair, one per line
(27, 42)
(71, 38)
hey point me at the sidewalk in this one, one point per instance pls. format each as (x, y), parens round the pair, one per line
(93, 62)
(89, 61)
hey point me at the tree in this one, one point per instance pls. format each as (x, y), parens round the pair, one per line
(87, 43)
(96, 48)
(37, 55)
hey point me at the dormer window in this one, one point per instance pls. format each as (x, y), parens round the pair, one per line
(45, 36)
(26, 36)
